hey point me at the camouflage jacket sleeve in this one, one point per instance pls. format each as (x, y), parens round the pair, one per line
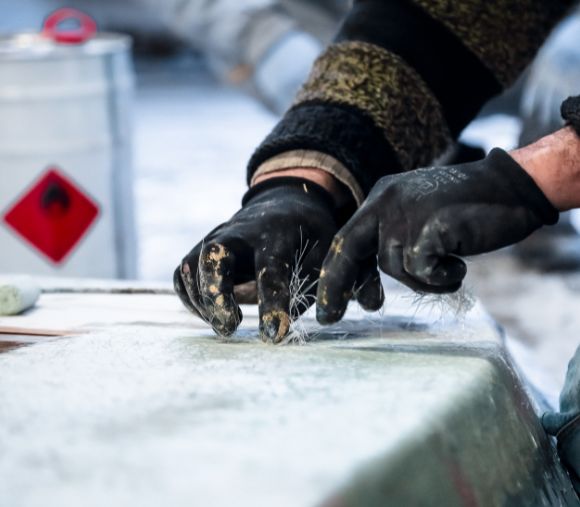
(402, 79)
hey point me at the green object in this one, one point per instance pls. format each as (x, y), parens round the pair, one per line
(565, 425)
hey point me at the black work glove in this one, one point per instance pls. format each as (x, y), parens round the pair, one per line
(419, 222)
(285, 224)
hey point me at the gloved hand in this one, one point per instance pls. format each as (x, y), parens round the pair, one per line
(419, 222)
(283, 222)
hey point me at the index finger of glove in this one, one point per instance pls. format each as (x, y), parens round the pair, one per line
(208, 276)
(273, 272)
(354, 243)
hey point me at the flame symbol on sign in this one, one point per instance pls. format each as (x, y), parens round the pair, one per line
(55, 200)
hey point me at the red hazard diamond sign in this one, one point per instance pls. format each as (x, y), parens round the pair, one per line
(53, 215)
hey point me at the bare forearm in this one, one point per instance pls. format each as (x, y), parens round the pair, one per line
(554, 164)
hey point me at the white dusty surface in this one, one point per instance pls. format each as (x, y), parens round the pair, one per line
(146, 407)
(143, 417)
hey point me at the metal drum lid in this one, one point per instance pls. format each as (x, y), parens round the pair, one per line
(59, 40)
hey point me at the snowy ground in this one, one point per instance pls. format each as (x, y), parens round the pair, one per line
(193, 138)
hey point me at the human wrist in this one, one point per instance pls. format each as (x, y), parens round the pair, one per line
(289, 188)
(553, 162)
(318, 176)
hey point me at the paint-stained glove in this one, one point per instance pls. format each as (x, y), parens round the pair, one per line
(420, 222)
(285, 226)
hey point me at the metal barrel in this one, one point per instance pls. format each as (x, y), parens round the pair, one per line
(66, 199)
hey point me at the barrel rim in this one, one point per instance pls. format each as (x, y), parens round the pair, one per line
(34, 46)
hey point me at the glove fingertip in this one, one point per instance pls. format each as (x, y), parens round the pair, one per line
(275, 326)
(327, 316)
(441, 272)
(371, 300)
(227, 315)
(456, 270)
(369, 291)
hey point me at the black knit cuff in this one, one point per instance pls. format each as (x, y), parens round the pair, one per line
(342, 132)
(570, 110)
